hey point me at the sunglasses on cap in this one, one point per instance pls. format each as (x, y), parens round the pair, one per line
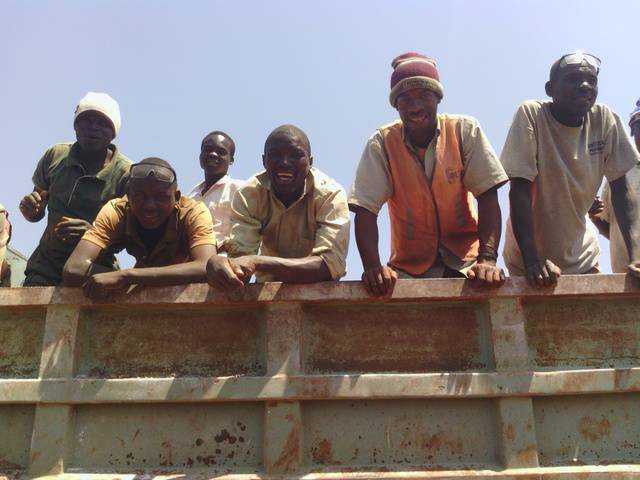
(150, 170)
(577, 58)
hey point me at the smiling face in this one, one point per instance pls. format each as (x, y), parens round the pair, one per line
(216, 154)
(94, 131)
(418, 110)
(574, 91)
(287, 161)
(151, 201)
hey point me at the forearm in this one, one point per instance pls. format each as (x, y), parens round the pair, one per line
(625, 207)
(76, 272)
(522, 219)
(489, 225)
(366, 228)
(602, 226)
(294, 270)
(178, 274)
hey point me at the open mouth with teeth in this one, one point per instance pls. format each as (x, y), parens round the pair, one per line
(284, 177)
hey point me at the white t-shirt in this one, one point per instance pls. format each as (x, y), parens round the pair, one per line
(566, 166)
(218, 199)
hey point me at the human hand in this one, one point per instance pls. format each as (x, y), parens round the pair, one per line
(597, 207)
(100, 285)
(248, 264)
(543, 274)
(486, 273)
(634, 268)
(71, 229)
(225, 274)
(380, 280)
(32, 206)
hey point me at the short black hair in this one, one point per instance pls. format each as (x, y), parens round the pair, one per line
(290, 131)
(225, 135)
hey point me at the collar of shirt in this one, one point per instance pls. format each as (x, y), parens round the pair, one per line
(197, 190)
(309, 184)
(73, 160)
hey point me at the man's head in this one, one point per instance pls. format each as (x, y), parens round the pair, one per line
(153, 192)
(216, 153)
(573, 83)
(634, 123)
(416, 91)
(96, 121)
(287, 160)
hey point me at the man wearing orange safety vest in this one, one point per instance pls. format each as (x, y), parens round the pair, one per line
(428, 167)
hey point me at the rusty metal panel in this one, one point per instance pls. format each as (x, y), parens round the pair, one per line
(583, 333)
(16, 425)
(409, 433)
(21, 333)
(125, 438)
(396, 338)
(588, 430)
(170, 342)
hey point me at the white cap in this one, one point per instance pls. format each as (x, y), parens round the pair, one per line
(103, 103)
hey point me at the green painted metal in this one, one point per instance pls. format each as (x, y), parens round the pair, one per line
(322, 381)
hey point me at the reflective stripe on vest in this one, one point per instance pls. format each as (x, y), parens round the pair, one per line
(425, 214)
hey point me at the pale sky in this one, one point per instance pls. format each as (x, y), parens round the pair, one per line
(182, 69)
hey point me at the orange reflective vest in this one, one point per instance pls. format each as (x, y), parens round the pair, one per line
(424, 214)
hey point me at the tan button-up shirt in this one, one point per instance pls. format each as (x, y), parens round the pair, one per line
(317, 224)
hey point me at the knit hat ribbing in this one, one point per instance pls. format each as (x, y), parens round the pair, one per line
(413, 70)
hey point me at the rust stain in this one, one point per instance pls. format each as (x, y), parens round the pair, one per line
(315, 387)
(439, 441)
(389, 338)
(527, 455)
(594, 430)
(323, 453)
(510, 433)
(288, 459)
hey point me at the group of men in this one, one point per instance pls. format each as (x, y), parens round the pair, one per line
(290, 222)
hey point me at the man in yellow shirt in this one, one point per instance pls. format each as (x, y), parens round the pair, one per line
(295, 215)
(170, 236)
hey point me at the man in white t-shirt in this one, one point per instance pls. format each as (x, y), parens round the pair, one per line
(602, 215)
(556, 155)
(217, 189)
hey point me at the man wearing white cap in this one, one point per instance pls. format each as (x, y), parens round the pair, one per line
(74, 180)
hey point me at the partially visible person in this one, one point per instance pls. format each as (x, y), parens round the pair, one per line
(428, 167)
(556, 155)
(170, 236)
(217, 189)
(602, 214)
(293, 214)
(5, 236)
(73, 181)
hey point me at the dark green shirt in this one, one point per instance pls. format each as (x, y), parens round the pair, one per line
(73, 194)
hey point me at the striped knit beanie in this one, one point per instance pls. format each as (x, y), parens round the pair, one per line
(412, 70)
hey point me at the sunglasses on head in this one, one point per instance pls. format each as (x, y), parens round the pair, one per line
(150, 170)
(577, 58)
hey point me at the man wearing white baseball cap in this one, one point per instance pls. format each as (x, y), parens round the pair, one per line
(74, 181)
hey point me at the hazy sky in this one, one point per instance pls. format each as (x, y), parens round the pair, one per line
(182, 69)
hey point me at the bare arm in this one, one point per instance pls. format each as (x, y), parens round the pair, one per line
(485, 272)
(81, 264)
(291, 270)
(378, 279)
(625, 207)
(595, 215)
(542, 273)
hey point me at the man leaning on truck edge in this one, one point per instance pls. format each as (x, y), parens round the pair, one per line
(427, 167)
(556, 155)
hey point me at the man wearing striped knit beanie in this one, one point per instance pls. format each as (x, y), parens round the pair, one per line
(427, 167)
